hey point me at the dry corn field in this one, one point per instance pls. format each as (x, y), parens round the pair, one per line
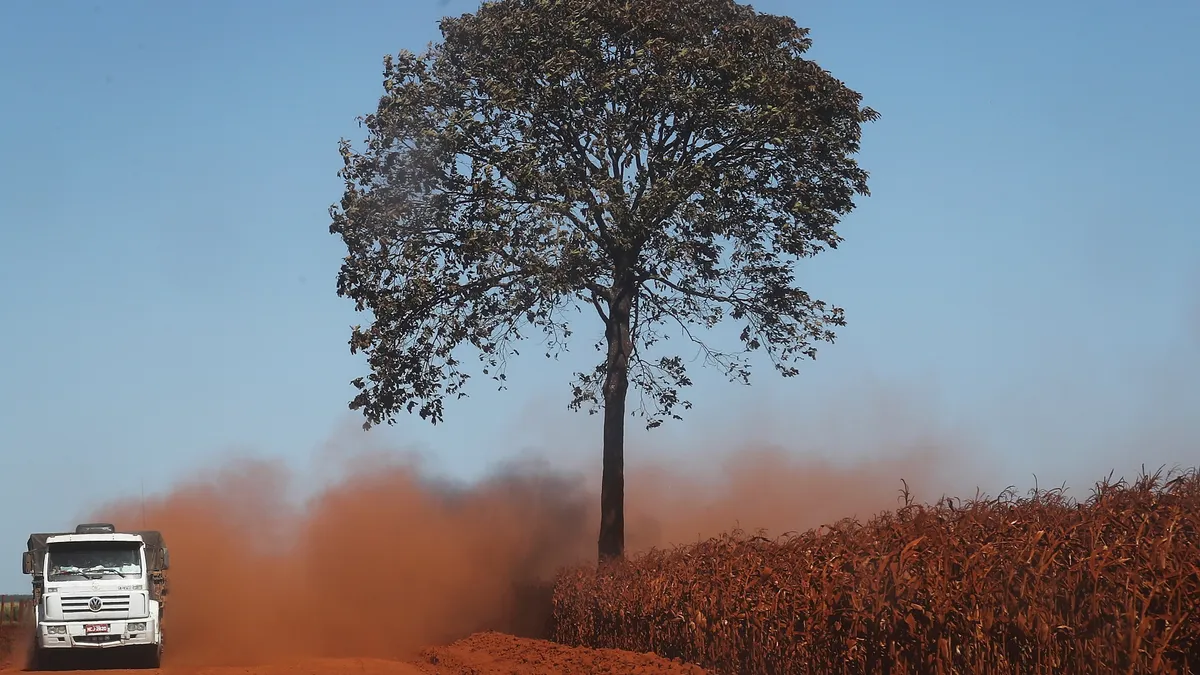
(1034, 584)
(14, 608)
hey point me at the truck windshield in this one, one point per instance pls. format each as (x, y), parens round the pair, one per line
(93, 560)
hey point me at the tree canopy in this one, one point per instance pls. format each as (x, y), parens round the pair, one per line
(661, 164)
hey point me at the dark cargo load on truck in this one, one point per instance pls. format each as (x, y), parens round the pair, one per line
(155, 555)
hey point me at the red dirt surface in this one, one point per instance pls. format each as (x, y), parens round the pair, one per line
(486, 653)
(480, 654)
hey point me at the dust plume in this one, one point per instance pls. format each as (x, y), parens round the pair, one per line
(386, 559)
(378, 564)
(766, 488)
(15, 641)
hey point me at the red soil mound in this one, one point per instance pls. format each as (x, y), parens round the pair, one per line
(485, 653)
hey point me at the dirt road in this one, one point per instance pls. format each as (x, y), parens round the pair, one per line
(480, 654)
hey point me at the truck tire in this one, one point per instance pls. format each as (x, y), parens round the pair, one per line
(42, 660)
(36, 658)
(152, 657)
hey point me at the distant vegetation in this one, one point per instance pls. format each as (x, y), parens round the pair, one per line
(12, 607)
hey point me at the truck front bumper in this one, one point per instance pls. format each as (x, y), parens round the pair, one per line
(97, 634)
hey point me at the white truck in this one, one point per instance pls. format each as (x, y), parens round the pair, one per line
(97, 589)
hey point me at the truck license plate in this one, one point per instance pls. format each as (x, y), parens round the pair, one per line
(90, 628)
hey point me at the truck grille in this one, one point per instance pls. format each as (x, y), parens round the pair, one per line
(97, 639)
(108, 603)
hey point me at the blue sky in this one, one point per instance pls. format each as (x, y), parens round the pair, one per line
(1025, 279)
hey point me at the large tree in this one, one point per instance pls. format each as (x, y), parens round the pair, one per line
(661, 163)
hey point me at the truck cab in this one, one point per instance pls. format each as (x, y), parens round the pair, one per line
(97, 589)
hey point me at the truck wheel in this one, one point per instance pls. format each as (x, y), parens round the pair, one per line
(153, 657)
(31, 654)
(36, 658)
(40, 659)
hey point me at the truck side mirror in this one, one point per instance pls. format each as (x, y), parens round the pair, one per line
(166, 559)
(27, 562)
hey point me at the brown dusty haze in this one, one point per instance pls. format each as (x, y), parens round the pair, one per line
(385, 560)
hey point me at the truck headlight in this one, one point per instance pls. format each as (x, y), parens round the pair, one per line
(56, 630)
(137, 627)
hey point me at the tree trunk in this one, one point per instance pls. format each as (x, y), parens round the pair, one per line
(616, 385)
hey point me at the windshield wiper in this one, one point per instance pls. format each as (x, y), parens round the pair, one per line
(101, 571)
